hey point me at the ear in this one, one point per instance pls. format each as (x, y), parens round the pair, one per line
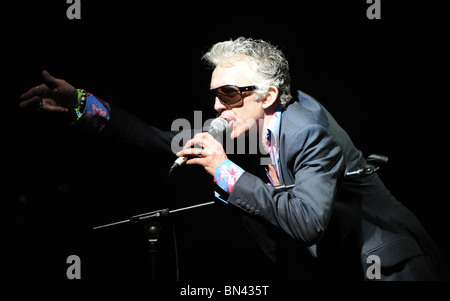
(271, 97)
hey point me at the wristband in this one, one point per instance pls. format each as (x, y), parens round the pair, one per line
(81, 98)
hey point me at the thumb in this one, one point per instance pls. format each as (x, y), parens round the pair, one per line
(50, 80)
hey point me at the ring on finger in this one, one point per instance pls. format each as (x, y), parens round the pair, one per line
(41, 104)
(200, 152)
(39, 90)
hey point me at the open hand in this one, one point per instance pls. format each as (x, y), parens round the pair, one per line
(54, 95)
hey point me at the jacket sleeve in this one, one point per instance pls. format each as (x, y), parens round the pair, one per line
(316, 161)
(125, 128)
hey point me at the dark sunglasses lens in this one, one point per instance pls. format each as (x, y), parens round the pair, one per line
(229, 94)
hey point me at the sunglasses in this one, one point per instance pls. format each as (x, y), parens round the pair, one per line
(229, 94)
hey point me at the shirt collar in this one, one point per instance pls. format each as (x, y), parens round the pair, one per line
(274, 126)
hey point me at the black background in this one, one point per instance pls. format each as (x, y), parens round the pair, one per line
(385, 81)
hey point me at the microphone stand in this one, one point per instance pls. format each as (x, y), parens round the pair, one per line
(152, 227)
(153, 214)
(151, 220)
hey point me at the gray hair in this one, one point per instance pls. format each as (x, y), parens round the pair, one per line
(269, 64)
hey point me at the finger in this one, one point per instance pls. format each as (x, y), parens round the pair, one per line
(190, 152)
(200, 139)
(38, 90)
(53, 108)
(190, 143)
(49, 105)
(195, 161)
(32, 102)
(49, 79)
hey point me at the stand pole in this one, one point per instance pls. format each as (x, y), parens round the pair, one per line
(152, 231)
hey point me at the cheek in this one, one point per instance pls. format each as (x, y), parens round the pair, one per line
(252, 111)
(245, 121)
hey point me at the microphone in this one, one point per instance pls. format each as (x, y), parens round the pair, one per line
(216, 128)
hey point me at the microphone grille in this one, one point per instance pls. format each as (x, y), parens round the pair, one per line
(218, 126)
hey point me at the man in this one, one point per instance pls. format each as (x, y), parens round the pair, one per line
(312, 191)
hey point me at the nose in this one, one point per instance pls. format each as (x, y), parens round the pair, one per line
(218, 106)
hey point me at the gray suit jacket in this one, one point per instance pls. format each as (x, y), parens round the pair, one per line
(338, 218)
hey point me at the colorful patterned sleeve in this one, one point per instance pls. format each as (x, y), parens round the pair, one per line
(226, 175)
(96, 112)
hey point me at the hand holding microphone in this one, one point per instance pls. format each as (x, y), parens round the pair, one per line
(210, 153)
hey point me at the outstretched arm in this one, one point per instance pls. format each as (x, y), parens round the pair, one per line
(90, 113)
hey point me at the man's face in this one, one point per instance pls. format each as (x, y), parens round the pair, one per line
(246, 113)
